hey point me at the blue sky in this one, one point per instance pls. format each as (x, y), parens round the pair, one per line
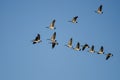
(21, 20)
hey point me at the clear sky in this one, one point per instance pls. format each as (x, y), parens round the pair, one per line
(22, 20)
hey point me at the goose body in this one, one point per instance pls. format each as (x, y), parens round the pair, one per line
(77, 48)
(52, 25)
(53, 37)
(69, 45)
(85, 46)
(37, 39)
(92, 49)
(101, 51)
(99, 10)
(108, 56)
(74, 20)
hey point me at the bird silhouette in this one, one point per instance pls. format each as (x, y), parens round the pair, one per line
(85, 46)
(99, 10)
(52, 25)
(74, 20)
(92, 49)
(69, 45)
(108, 56)
(101, 51)
(77, 48)
(53, 40)
(37, 39)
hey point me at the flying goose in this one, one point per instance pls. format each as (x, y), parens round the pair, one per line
(85, 46)
(74, 20)
(92, 49)
(52, 25)
(37, 39)
(108, 56)
(99, 10)
(69, 45)
(77, 48)
(101, 51)
(53, 40)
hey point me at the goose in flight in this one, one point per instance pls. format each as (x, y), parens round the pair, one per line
(101, 51)
(53, 40)
(52, 25)
(99, 10)
(37, 39)
(74, 20)
(108, 56)
(77, 48)
(92, 49)
(85, 46)
(69, 45)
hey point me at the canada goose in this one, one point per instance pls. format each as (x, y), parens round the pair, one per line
(101, 51)
(53, 40)
(69, 45)
(99, 10)
(77, 48)
(74, 20)
(92, 49)
(85, 46)
(37, 39)
(52, 25)
(108, 56)
(53, 37)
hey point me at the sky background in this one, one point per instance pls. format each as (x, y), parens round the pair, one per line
(22, 20)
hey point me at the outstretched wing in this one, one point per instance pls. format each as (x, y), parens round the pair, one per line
(74, 19)
(70, 41)
(108, 56)
(92, 49)
(53, 36)
(100, 8)
(53, 45)
(37, 37)
(101, 49)
(85, 46)
(52, 23)
(78, 45)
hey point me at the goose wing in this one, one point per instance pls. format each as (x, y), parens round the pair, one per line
(70, 41)
(85, 46)
(52, 23)
(53, 36)
(100, 8)
(78, 45)
(108, 56)
(92, 49)
(74, 18)
(37, 37)
(53, 45)
(101, 49)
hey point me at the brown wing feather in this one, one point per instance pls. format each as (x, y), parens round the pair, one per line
(53, 36)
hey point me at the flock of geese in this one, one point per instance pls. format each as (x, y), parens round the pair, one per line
(78, 47)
